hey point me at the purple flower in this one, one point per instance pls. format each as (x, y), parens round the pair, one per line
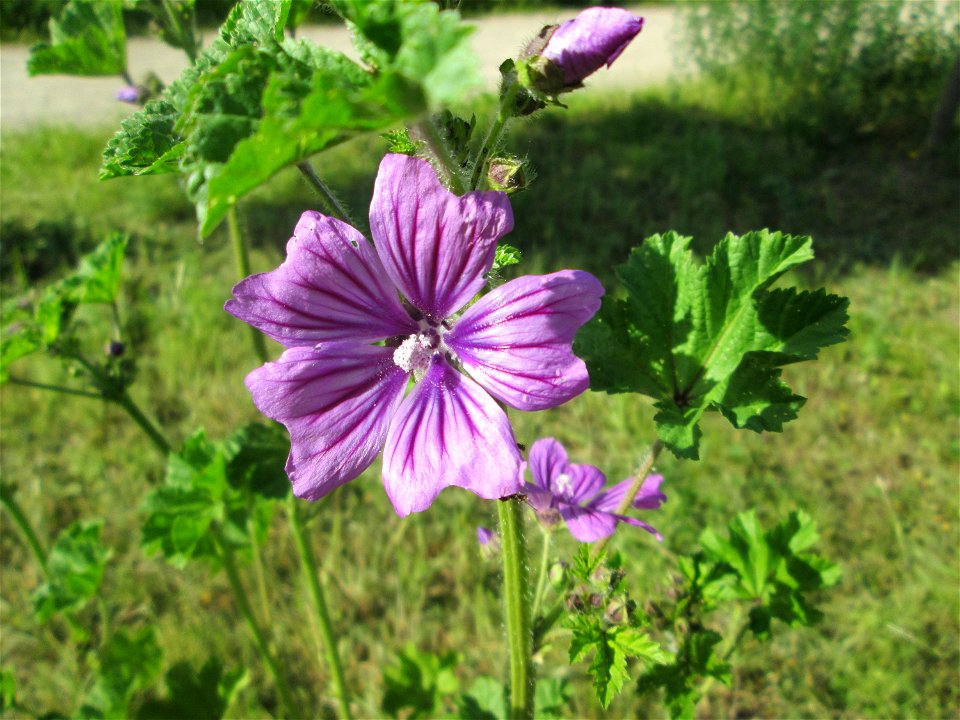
(485, 535)
(574, 492)
(595, 37)
(341, 396)
(129, 94)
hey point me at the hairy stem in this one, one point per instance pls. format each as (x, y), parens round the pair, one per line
(639, 475)
(542, 576)
(242, 258)
(331, 202)
(517, 606)
(441, 152)
(259, 639)
(20, 518)
(490, 142)
(311, 579)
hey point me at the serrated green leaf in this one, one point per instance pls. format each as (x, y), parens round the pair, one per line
(551, 698)
(400, 142)
(99, 271)
(128, 664)
(587, 634)
(75, 569)
(635, 643)
(16, 342)
(712, 336)
(88, 39)
(506, 256)
(191, 694)
(256, 455)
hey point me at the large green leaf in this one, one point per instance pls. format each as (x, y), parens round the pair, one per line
(713, 336)
(88, 39)
(75, 568)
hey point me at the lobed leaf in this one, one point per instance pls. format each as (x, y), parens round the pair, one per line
(75, 568)
(88, 39)
(712, 336)
(129, 663)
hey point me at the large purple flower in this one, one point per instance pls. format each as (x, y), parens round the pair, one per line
(353, 344)
(575, 493)
(594, 38)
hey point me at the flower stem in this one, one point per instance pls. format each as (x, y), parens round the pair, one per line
(516, 604)
(259, 639)
(330, 200)
(312, 580)
(490, 142)
(639, 475)
(441, 152)
(20, 518)
(55, 388)
(542, 577)
(136, 414)
(242, 258)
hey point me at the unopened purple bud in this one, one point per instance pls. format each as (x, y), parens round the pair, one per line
(594, 38)
(129, 94)
(485, 536)
(114, 349)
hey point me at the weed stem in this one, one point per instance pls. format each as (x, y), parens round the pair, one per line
(517, 607)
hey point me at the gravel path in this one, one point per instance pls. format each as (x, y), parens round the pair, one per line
(27, 102)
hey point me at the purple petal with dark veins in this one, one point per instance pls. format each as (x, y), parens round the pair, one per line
(648, 498)
(337, 402)
(331, 287)
(587, 524)
(448, 432)
(434, 245)
(565, 481)
(516, 340)
(592, 39)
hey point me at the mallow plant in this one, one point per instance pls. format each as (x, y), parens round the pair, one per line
(397, 339)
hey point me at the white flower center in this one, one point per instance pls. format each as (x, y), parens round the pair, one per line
(563, 484)
(414, 353)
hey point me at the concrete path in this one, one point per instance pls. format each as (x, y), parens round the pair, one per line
(27, 102)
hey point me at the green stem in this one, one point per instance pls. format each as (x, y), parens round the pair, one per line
(259, 639)
(329, 198)
(516, 604)
(55, 388)
(184, 35)
(490, 142)
(20, 518)
(258, 567)
(709, 682)
(312, 580)
(441, 152)
(542, 576)
(123, 399)
(242, 258)
(639, 475)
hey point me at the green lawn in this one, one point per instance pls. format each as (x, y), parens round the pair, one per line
(873, 457)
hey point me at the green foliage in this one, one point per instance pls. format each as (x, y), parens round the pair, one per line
(713, 336)
(774, 569)
(832, 67)
(679, 679)
(192, 694)
(8, 690)
(606, 623)
(48, 326)
(75, 568)
(88, 39)
(255, 103)
(487, 699)
(506, 256)
(129, 663)
(418, 683)
(216, 493)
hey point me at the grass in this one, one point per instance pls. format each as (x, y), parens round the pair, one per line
(873, 457)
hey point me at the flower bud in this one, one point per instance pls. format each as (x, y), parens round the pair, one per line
(129, 94)
(114, 348)
(561, 57)
(507, 174)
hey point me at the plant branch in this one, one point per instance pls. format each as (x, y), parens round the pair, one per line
(329, 198)
(517, 607)
(639, 475)
(311, 579)
(56, 388)
(490, 142)
(20, 518)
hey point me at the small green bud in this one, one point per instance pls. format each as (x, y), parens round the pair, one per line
(507, 174)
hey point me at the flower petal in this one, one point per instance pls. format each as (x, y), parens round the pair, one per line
(337, 401)
(566, 482)
(448, 432)
(648, 498)
(588, 524)
(516, 340)
(592, 39)
(434, 245)
(331, 287)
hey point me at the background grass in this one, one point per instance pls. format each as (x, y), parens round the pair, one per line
(873, 457)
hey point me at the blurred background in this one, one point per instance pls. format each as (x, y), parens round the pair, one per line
(833, 118)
